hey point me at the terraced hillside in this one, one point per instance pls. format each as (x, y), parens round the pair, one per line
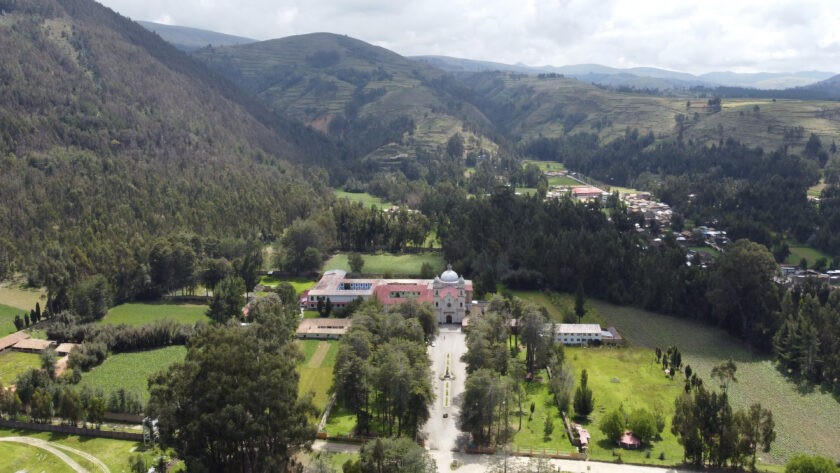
(347, 87)
(529, 106)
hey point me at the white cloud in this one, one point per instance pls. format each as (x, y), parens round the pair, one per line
(687, 35)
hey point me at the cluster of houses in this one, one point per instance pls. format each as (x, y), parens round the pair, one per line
(651, 209)
(582, 193)
(793, 274)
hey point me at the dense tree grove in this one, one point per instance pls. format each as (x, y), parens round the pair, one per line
(493, 389)
(808, 342)
(712, 434)
(362, 228)
(382, 370)
(222, 411)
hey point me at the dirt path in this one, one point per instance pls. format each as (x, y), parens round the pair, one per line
(319, 355)
(85, 455)
(37, 443)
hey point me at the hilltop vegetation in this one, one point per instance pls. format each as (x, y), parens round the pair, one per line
(110, 138)
(373, 100)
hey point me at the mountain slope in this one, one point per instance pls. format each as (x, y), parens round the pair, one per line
(380, 102)
(638, 77)
(829, 87)
(110, 137)
(189, 39)
(529, 106)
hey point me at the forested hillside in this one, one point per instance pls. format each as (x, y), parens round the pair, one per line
(110, 138)
(375, 101)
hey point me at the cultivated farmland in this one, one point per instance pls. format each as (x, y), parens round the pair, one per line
(131, 371)
(806, 418)
(141, 314)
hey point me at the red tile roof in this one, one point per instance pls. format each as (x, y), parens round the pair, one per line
(383, 293)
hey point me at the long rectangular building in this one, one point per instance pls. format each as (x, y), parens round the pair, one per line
(449, 294)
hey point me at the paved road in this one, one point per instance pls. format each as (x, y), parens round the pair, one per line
(442, 434)
(443, 439)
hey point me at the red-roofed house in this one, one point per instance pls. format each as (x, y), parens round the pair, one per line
(587, 192)
(629, 441)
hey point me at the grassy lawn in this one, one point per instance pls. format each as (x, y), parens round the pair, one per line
(810, 254)
(13, 363)
(563, 181)
(806, 418)
(334, 460)
(19, 457)
(141, 314)
(113, 453)
(364, 198)
(316, 369)
(396, 264)
(628, 377)
(21, 297)
(7, 319)
(340, 422)
(132, 370)
(558, 304)
(706, 249)
(532, 435)
(300, 284)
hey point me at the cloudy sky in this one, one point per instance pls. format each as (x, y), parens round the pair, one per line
(688, 35)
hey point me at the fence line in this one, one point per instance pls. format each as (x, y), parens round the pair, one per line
(69, 429)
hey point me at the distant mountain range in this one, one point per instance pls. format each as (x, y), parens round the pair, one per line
(639, 77)
(189, 39)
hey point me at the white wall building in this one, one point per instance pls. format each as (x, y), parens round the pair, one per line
(577, 334)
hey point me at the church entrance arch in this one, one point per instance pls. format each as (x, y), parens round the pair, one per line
(449, 319)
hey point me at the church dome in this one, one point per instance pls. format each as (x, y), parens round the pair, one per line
(449, 275)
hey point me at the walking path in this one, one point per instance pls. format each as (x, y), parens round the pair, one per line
(55, 449)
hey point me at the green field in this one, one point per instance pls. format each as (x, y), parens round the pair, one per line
(140, 314)
(132, 370)
(19, 296)
(545, 165)
(396, 264)
(113, 453)
(300, 284)
(806, 418)
(632, 378)
(810, 254)
(19, 457)
(316, 369)
(557, 304)
(7, 319)
(13, 363)
(706, 249)
(364, 198)
(532, 435)
(563, 181)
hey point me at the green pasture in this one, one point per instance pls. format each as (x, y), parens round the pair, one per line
(7, 319)
(20, 296)
(364, 198)
(810, 254)
(132, 370)
(144, 313)
(316, 370)
(396, 264)
(14, 363)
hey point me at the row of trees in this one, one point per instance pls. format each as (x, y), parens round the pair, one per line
(712, 434)
(360, 228)
(382, 370)
(495, 371)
